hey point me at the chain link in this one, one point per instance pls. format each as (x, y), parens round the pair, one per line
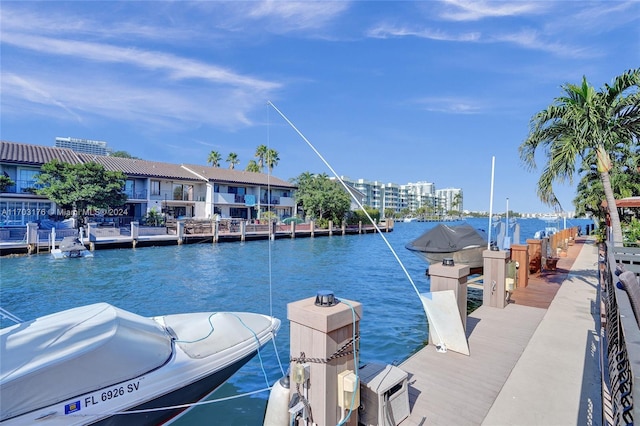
(337, 354)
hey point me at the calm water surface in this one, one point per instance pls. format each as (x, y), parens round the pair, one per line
(256, 276)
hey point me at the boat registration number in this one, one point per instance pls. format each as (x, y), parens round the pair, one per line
(112, 393)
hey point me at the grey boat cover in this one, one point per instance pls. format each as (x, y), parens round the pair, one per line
(66, 354)
(444, 238)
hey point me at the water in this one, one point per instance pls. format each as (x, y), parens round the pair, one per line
(256, 276)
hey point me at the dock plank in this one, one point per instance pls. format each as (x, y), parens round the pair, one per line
(450, 388)
(454, 389)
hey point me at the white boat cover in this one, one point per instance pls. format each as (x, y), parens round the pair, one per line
(62, 355)
(228, 329)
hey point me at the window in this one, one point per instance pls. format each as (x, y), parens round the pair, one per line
(237, 190)
(155, 187)
(19, 213)
(27, 179)
(178, 192)
(129, 188)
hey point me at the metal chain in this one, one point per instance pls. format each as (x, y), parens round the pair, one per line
(337, 354)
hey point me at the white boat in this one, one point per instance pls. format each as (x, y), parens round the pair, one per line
(551, 227)
(409, 219)
(463, 243)
(71, 247)
(93, 364)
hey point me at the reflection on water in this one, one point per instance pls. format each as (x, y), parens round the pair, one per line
(257, 276)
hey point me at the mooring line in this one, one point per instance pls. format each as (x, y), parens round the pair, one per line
(349, 192)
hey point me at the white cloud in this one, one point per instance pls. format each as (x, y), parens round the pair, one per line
(125, 102)
(474, 10)
(386, 31)
(18, 87)
(177, 67)
(450, 105)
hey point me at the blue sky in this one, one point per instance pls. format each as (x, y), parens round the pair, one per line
(390, 91)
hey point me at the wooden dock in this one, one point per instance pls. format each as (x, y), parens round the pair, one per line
(454, 389)
(112, 238)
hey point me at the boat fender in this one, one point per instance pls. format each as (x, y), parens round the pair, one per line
(277, 413)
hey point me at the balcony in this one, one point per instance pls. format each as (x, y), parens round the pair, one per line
(134, 194)
(23, 187)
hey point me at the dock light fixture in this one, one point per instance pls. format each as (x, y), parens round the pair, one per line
(447, 261)
(326, 298)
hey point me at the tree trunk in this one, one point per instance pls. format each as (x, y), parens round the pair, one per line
(614, 218)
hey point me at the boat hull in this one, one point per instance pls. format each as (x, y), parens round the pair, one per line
(187, 395)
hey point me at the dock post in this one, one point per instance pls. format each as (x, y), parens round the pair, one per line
(53, 238)
(520, 254)
(321, 348)
(451, 277)
(91, 232)
(330, 228)
(216, 227)
(344, 228)
(32, 237)
(135, 230)
(535, 255)
(312, 226)
(360, 227)
(293, 229)
(243, 230)
(495, 274)
(180, 231)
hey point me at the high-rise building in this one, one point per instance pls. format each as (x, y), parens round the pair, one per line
(85, 146)
(451, 199)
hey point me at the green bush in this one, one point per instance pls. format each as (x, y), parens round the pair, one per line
(631, 232)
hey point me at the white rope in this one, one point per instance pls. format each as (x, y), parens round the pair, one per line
(350, 193)
(173, 407)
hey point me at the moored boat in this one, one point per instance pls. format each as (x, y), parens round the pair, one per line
(463, 243)
(71, 247)
(552, 226)
(94, 364)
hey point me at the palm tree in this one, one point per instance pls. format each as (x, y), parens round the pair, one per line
(625, 182)
(457, 203)
(271, 159)
(214, 159)
(253, 167)
(261, 154)
(232, 159)
(580, 122)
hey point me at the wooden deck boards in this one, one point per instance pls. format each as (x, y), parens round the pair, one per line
(453, 389)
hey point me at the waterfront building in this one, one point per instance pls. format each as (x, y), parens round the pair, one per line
(450, 199)
(419, 195)
(412, 196)
(85, 146)
(175, 190)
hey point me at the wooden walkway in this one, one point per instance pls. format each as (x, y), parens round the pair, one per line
(454, 389)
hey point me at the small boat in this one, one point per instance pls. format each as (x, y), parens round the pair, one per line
(93, 364)
(71, 247)
(551, 227)
(463, 243)
(409, 219)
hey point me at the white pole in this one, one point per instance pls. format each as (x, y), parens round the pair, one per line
(493, 165)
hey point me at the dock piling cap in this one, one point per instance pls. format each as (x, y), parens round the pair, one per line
(326, 298)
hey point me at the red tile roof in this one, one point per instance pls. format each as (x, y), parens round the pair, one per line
(21, 153)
